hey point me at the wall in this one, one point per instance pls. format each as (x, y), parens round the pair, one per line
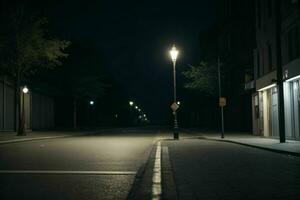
(42, 111)
(7, 121)
(39, 109)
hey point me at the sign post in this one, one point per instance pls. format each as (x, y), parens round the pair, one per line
(222, 100)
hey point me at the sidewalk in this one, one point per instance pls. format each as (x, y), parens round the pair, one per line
(11, 137)
(289, 147)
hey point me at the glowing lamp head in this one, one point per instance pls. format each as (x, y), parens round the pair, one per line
(136, 107)
(25, 90)
(174, 53)
(131, 103)
(92, 103)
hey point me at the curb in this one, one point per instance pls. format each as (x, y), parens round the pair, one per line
(289, 153)
(138, 190)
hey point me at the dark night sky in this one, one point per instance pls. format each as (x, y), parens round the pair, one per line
(133, 39)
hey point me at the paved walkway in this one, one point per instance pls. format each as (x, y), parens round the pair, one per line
(11, 137)
(289, 147)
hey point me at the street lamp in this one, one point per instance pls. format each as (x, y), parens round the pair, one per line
(25, 90)
(92, 103)
(174, 53)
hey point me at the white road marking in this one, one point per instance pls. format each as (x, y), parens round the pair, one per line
(156, 179)
(67, 172)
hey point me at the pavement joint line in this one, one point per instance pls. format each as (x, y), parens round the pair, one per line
(156, 178)
(62, 172)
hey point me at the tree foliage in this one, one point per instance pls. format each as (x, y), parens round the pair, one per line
(25, 48)
(25, 45)
(202, 78)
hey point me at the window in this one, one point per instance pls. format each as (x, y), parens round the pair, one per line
(293, 44)
(229, 11)
(258, 4)
(270, 56)
(294, 1)
(258, 65)
(269, 8)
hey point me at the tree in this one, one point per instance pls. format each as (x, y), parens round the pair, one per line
(82, 77)
(90, 87)
(26, 48)
(202, 78)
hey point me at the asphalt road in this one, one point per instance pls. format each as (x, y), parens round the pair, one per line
(104, 166)
(86, 167)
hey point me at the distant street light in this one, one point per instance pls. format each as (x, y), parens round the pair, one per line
(131, 103)
(178, 102)
(92, 103)
(174, 53)
(136, 107)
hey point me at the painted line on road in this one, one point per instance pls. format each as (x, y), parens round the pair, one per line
(156, 178)
(67, 172)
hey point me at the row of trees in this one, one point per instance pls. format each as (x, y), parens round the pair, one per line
(27, 48)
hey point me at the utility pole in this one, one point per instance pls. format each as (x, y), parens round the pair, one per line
(220, 95)
(279, 73)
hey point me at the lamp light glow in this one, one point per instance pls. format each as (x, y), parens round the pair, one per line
(131, 103)
(174, 53)
(25, 89)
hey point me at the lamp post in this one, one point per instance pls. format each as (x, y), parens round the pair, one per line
(91, 112)
(25, 90)
(131, 120)
(174, 53)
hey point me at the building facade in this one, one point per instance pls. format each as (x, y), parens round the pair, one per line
(236, 39)
(265, 113)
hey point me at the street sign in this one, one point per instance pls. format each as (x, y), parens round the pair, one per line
(222, 101)
(174, 106)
